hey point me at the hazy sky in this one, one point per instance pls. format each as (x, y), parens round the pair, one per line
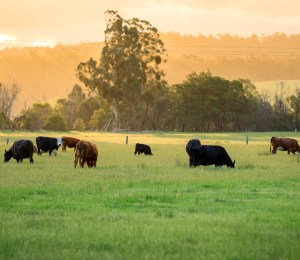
(31, 22)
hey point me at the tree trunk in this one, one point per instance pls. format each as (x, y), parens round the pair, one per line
(116, 123)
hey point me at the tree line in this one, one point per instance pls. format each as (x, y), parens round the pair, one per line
(203, 102)
(127, 90)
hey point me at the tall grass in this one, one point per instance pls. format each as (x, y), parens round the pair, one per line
(134, 206)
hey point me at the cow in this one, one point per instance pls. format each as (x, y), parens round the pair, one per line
(284, 144)
(20, 150)
(86, 152)
(35, 150)
(210, 154)
(143, 148)
(189, 145)
(68, 142)
(45, 144)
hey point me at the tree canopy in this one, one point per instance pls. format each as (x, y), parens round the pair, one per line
(129, 67)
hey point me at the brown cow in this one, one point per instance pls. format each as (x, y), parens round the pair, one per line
(284, 144)
(86, 152)
(68, 142)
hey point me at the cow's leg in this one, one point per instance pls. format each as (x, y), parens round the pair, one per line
(190, 162)
(75, 163)
(193, 161)
(31, 159)
(82, 163)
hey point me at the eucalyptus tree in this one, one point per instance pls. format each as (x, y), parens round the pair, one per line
(129, 66)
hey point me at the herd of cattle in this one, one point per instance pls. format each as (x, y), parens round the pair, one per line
(87, 153)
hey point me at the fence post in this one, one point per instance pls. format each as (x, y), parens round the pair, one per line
(247, 139)
(126, 139)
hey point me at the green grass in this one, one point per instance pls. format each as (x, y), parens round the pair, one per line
(139, 207)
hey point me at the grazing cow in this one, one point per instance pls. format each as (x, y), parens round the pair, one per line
(284, 144)
(143, 148)
(45, 144)
(189, 145)
(20, 150)
(210, 154)
(68, 142)
(86, 152)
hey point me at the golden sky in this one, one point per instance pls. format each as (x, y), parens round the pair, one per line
(46, 22)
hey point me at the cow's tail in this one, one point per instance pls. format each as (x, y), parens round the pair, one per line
(77, 153)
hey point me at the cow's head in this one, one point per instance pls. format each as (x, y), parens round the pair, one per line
(232, 164)
(7, 155)
(59, 141)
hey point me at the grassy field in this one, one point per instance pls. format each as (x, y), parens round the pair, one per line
(139, 207)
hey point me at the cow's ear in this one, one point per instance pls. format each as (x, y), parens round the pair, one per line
(5, 150)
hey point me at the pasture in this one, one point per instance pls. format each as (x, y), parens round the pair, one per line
(151, 207)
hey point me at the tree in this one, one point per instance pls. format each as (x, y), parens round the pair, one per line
(294, 102)
(56, 123)
(281, 120)
(265, 112)
(4, 121)
(99, 119)
(79, 124)
(209, 103)
(87, 108)
(36, 117)
(8, 95)
(62, 108)
(129, 64)
(70, 108)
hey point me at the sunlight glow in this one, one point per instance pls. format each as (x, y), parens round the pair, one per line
(6, 38)
(44, 43)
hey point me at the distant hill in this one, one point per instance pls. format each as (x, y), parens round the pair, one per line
(46, 74)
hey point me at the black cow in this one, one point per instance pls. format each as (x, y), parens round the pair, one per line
(210, 154)
(20, 150)
(189, 145)
(45, 144)
(143, 148)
